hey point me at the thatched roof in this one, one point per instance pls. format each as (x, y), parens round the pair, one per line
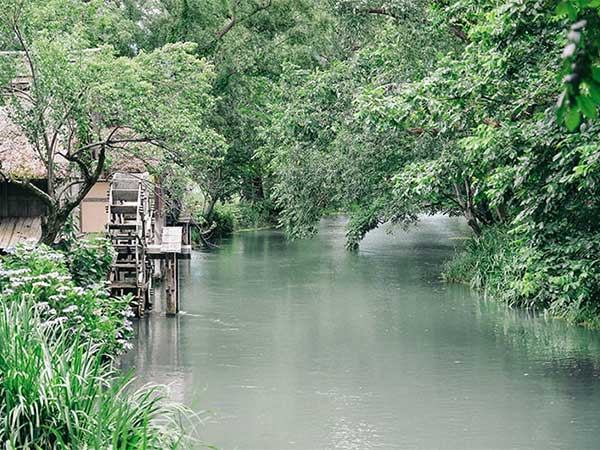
(17, 156)
(20, 160)
(138, 160)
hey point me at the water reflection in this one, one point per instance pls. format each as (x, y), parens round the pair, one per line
(302, 345)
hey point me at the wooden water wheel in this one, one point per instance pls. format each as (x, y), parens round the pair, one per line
(129, 228)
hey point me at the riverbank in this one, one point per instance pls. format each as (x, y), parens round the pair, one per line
(561, 278)
(59, 335)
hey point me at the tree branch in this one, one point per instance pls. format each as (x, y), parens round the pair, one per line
(385, 12)
(66, 209)
(42, 122)
(33, 189)
(459, 33)
(109, 141)
(226, 29)
(233, 21)
(17, 92)
(63, 121)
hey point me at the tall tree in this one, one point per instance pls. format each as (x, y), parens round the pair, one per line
(81, 105)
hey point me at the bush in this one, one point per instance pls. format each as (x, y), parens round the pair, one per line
(224, 218)
(41, 276)
(222, 224)
(561, 277)
(490, 262)
(254, 214)
(89, 261)
(58, 390)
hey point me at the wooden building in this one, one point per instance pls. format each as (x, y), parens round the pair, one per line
(125, 203)
(20, 210)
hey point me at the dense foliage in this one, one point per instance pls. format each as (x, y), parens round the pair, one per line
(59, 390)
(254, 110)
(85, 105)
(59, 334)
(81, 302)
(467, 125)
(382, 109)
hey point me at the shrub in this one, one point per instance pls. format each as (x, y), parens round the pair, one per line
(41, 276)
(224, 219)
(254, 214)
(89, 261)
(490, 262)
(560, 276)
(60, 391)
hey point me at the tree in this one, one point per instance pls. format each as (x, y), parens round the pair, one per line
(580, 96)
(324, 142)
(474, 132)
(84, 105)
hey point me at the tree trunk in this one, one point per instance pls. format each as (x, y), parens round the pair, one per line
(211, 209)
(467, 208)
(51, 227)
(57, 216)
(473, 222)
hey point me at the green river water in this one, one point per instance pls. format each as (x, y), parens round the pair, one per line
(303, 345)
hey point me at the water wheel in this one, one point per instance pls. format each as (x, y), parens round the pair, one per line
(129, 229)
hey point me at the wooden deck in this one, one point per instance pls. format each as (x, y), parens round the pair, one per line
(14, 230)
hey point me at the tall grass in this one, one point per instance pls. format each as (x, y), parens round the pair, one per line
(561, 277)
(59, 391)
(489, 263)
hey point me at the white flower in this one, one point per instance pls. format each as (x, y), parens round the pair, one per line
(70, 309)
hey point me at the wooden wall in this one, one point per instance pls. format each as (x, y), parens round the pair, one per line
(94, 209)
(18, 202)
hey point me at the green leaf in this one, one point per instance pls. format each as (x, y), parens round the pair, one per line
(587, 107)
(567, 8)
(594, 92)
(561, 9)
(573, 119)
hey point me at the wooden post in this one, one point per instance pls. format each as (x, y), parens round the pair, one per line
(169, 251)
(172, 287)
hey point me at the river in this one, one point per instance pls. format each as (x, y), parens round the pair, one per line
(303, 345)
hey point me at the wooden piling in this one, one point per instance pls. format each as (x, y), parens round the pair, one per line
(172, 284)
(170, 249)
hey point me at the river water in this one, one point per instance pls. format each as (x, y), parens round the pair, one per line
(303, 345)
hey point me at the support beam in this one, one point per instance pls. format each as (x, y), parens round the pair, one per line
(172, 284)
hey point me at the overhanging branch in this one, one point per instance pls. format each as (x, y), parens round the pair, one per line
(233, 20)
(32, 188)
(385, 12)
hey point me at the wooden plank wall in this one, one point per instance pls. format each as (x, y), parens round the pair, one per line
(18, 202)
(15, 230)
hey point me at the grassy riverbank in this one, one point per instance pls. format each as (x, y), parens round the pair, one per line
(559, 276)
(239, 216)
(59, 334)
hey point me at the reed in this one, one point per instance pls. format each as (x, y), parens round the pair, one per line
(59, 391)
